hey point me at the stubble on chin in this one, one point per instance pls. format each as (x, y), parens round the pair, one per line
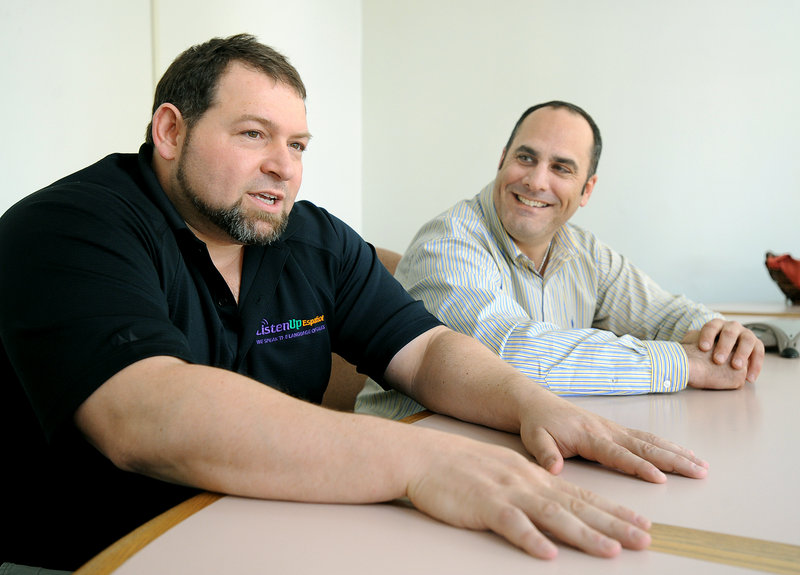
(246, 229)
(255, 228)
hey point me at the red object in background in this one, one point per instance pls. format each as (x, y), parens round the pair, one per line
(785, 271)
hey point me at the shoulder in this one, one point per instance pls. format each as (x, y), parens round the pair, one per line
(322, 245)
(113, 181)
(464, 222)
(103, 204)
(458, 243)
(314, 227)
(583, 241)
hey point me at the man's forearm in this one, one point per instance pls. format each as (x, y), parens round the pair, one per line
(459, 376)
(220, 431)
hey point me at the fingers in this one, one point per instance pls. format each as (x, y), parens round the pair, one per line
(572, 431)
(572, 515)
(544, 449)
(632, 459)
(721, 337)
(645, 456)
(756, 362)
(748, 353)
(516, 526)
(730, 340)
(608, 522)
(485, 487)
(665, 455)
(636, 452)
(708, 334)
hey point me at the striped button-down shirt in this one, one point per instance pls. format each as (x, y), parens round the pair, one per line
(594, 324)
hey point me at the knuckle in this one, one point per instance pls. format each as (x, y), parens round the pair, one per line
(551, 509)
(506, 515)
(577, 506)
(649, 451)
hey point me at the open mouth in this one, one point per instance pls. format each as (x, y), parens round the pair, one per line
(531, 203)
(268, 199)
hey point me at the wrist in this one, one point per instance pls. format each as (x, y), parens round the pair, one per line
(694, 364)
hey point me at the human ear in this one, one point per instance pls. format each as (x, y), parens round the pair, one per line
(167, 127)
(502, 159)
(588, 188)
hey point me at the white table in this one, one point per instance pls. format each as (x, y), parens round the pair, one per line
(748, 436)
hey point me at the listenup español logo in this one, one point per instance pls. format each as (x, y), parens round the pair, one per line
(293, 328)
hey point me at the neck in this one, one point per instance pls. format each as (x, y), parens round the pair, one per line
(538, 254)
(227, 257)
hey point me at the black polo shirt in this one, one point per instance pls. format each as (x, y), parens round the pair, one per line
(98, 272)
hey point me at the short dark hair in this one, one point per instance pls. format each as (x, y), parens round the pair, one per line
(597, 147)
(190, 83)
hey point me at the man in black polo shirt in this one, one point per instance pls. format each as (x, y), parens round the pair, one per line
(167, 326)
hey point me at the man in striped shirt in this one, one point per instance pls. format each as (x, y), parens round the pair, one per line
(575, 316)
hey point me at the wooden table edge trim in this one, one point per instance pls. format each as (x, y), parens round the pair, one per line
(414, 417)
(117, 553)
(776, 314)
(757, 554)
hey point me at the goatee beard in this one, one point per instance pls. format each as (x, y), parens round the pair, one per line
(243, 229)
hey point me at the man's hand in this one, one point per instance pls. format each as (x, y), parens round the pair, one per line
(721, 344)
(557, 429)
(464, 379)
(481, 486)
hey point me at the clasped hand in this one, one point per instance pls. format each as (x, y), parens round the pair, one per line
(723, 355)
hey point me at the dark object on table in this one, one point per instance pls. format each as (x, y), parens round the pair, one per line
(785, 271)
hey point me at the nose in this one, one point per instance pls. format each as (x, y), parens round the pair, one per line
(280, 162)
(536, 178)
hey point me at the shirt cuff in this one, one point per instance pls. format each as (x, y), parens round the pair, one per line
(670, 366)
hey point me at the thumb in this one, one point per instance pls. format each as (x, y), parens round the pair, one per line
(544, 449)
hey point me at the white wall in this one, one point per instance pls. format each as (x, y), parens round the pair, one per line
(79, 79)
(77, 85)
(697, 101)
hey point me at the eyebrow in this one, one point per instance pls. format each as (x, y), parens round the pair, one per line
(267, 123)
(557, 159)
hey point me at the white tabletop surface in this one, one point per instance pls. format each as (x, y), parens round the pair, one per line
(748, 436)
(243, 537)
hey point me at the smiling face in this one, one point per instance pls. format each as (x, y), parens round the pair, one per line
(237, 171)
(542, 179)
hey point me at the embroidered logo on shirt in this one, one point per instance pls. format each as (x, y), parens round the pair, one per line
(293, 328)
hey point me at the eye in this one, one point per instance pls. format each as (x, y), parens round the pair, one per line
(525, 158)
(252, 134)
(299, 146)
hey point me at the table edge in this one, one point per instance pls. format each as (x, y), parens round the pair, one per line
(123, 549)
